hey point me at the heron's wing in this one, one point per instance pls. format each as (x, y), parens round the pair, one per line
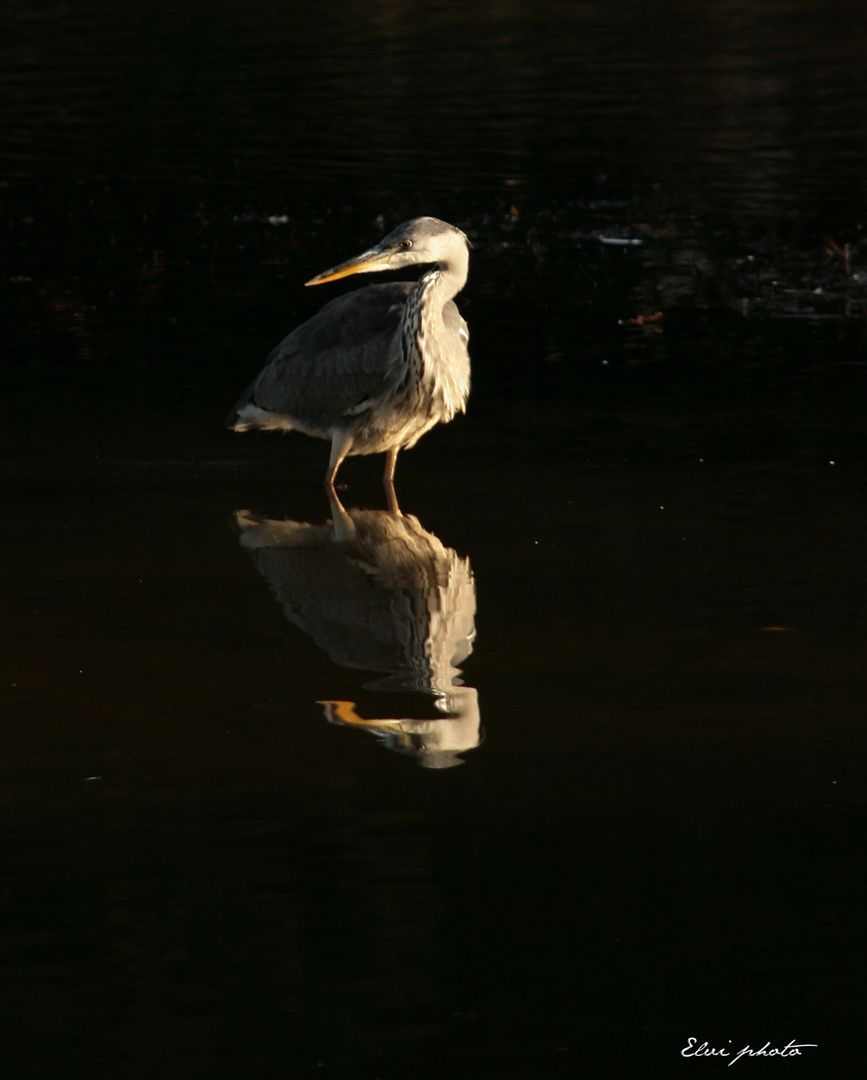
(334, 363)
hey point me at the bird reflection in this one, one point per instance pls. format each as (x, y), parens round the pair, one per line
(378, 592)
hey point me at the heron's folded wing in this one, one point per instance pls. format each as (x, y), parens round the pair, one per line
(335, 362)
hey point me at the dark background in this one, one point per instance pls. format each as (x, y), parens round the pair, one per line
(660, 485)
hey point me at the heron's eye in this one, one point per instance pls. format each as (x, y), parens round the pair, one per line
(406, 244)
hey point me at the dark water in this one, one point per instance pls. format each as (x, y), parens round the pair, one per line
(643, 547)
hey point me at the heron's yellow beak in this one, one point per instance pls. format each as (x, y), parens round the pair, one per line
(376, 258)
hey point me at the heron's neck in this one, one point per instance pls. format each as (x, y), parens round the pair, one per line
(452, 273)
(436, 287)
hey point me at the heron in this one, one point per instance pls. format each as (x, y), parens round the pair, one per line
(377, 368)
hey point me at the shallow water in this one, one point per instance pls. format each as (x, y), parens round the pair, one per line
(642, 547)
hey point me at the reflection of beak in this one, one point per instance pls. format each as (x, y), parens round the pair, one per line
(343, 712)
(375, 258)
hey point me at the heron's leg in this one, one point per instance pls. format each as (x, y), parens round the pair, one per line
(341, 443)
(390, 465)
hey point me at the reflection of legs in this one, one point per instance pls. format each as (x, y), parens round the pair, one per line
(341, 442)
(344, 527)
(391, 498)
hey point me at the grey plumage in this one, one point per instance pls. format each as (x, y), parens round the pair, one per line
(377, 368)
(335, 361)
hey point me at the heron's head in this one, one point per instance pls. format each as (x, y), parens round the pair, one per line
(422, 241)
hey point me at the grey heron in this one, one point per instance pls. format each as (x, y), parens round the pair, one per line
(375, 369)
